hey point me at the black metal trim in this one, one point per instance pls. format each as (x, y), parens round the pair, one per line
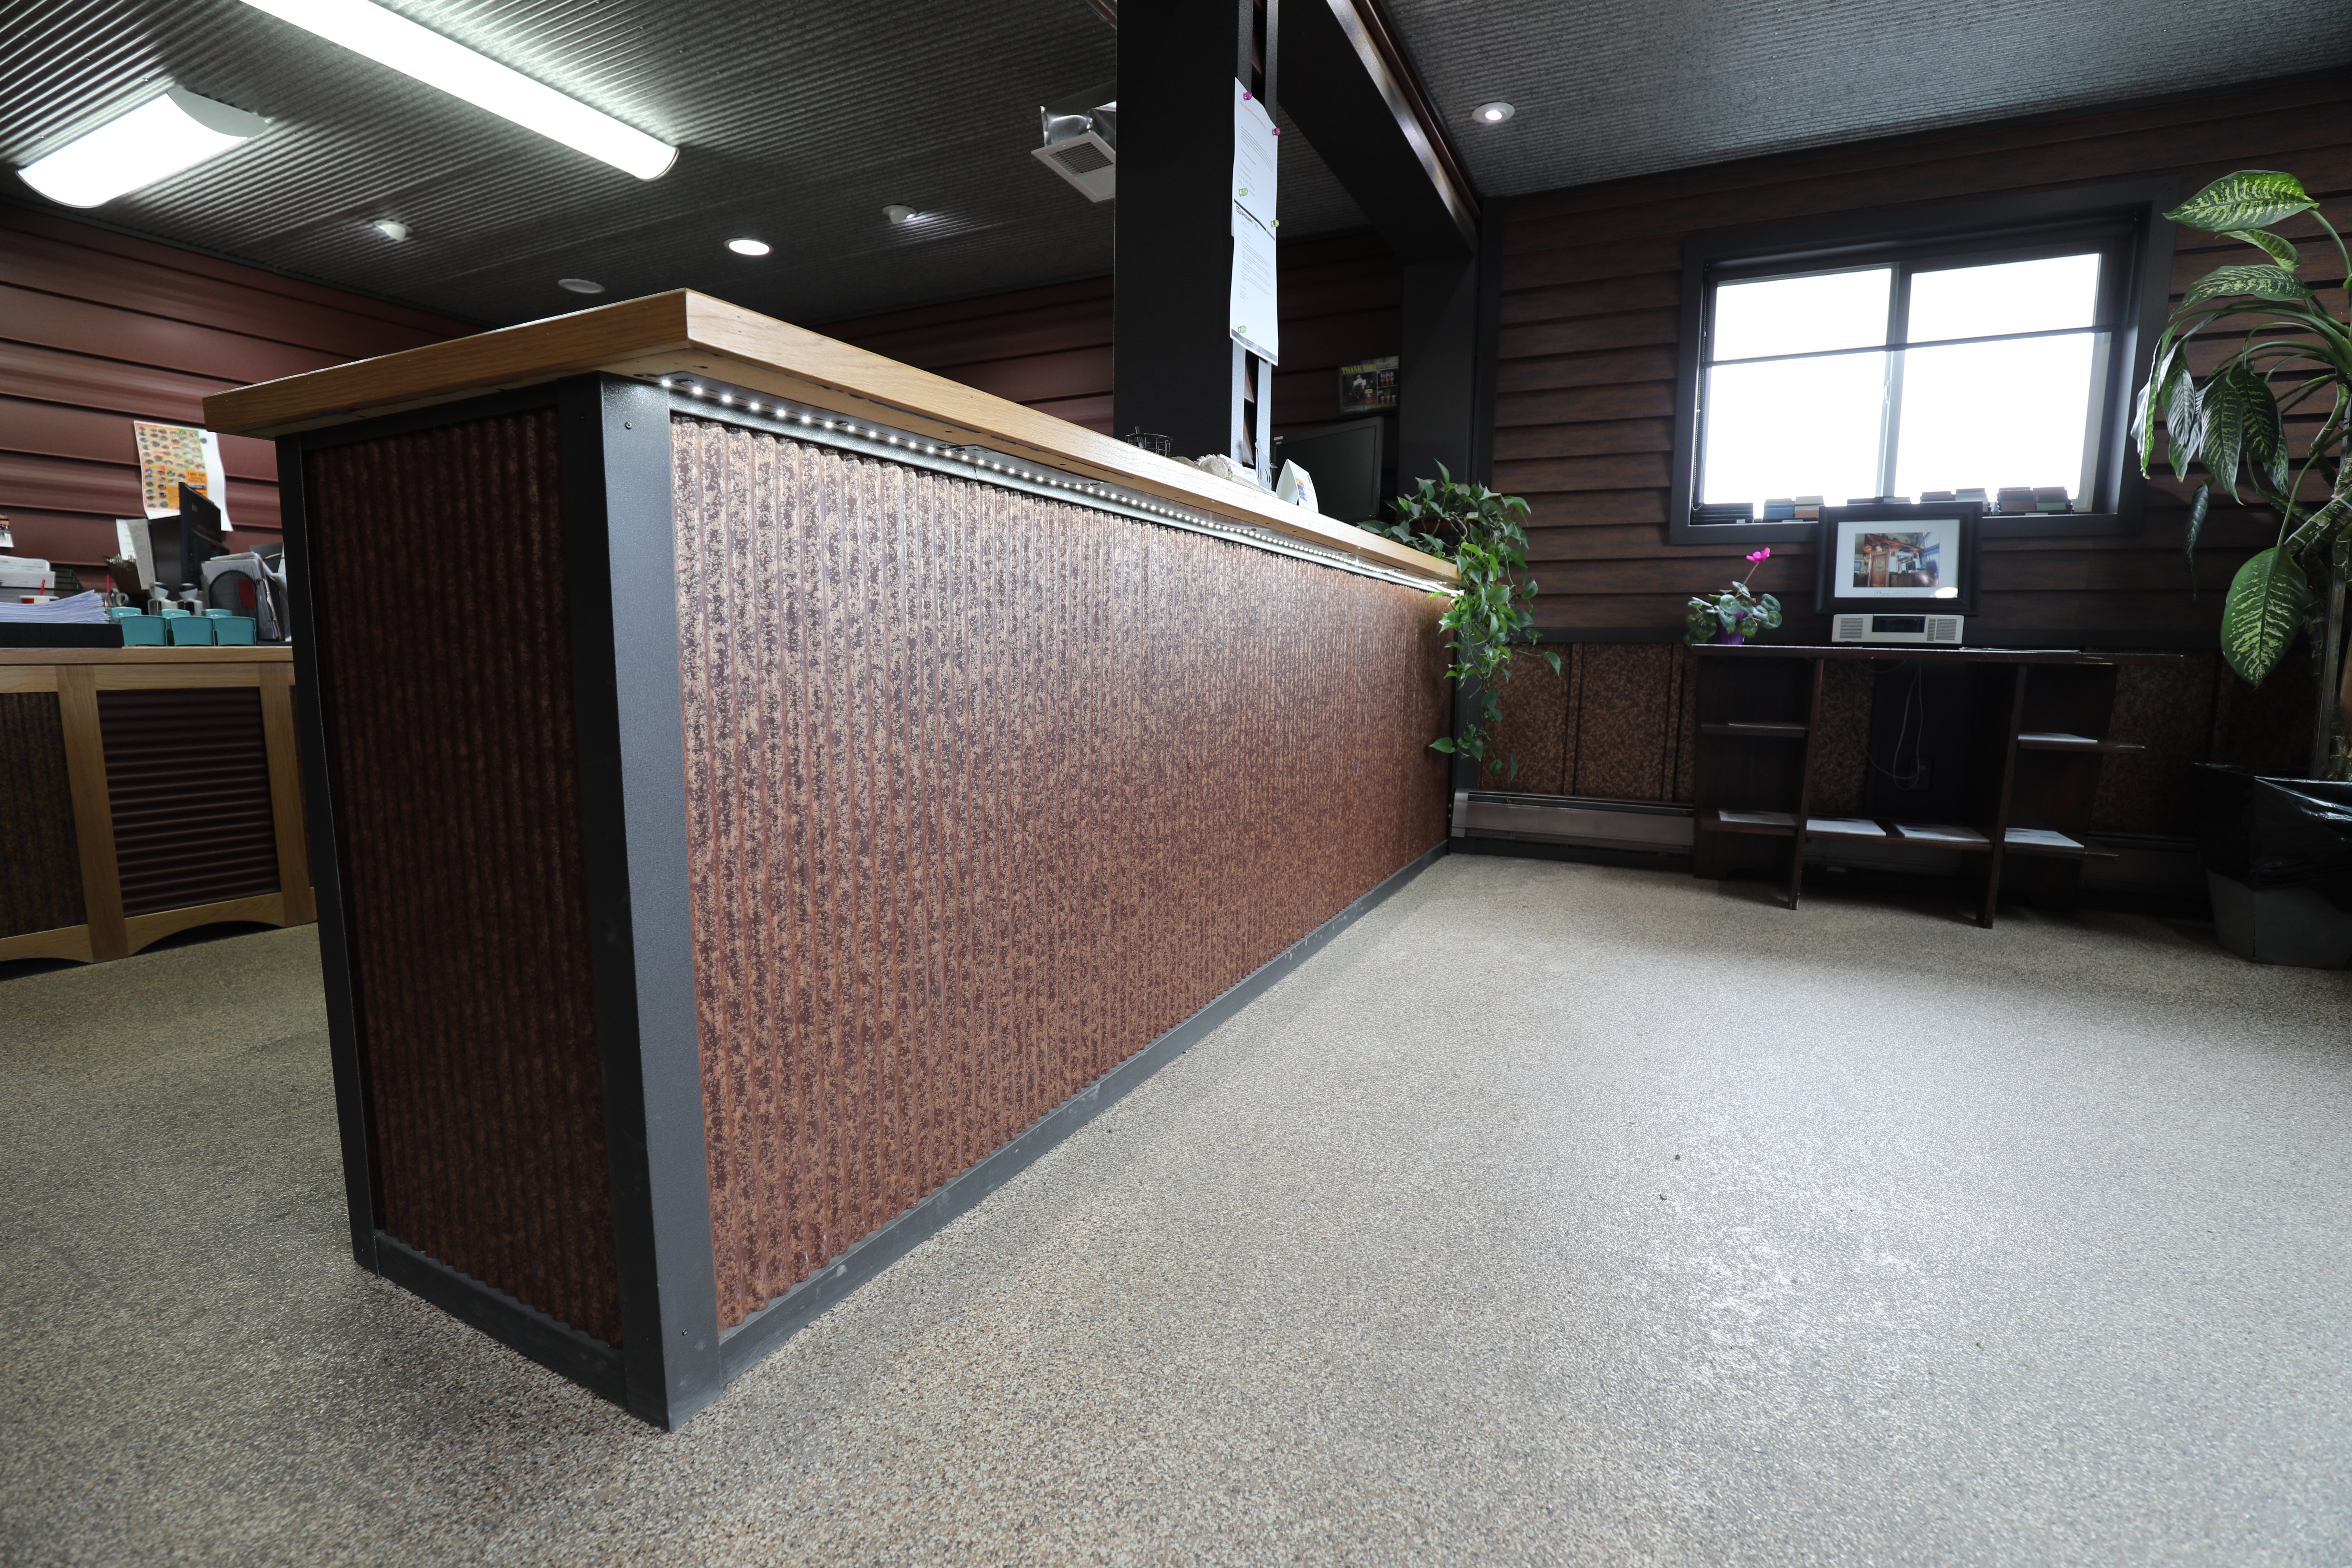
(1486, 349)
(743, 1346)
(552, 1344)
(619, 564)
(1675, 860)
(325, 864)
(2141, 299)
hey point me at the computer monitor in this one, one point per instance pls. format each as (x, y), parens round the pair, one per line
(1344, 459)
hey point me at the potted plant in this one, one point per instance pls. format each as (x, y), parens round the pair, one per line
(2232, 425)
(1492, 612)
(1734, 614)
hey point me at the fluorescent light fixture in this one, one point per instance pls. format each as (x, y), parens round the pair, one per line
(899, 212)
(1494, 113)
(158, 139)
(579, 285)
(395, 41)
(392, 228)
(748, 247)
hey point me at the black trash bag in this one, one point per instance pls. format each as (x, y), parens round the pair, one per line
(2275, 833)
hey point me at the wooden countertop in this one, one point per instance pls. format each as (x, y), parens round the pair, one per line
(272, 653)
(1941, 655)
(687, 333)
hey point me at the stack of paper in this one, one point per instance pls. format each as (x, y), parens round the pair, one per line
(1759, 818)
(2055, 738)
(1850, 827)
(75, 610)
(2043, 838)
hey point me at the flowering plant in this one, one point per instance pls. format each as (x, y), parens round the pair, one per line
(1734, 614)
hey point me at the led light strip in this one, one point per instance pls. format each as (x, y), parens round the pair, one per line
(714, 400)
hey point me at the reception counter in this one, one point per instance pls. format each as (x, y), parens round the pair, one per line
(764, 795)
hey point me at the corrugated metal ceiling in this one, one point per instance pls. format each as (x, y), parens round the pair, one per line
(800, 121)
(1608, 89)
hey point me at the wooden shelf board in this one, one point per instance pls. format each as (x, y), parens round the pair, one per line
(2084, 746)
(1713, 823)
(1738, 729)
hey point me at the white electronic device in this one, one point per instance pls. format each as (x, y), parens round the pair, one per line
(1940, 631)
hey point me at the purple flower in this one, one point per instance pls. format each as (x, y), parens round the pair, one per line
(1763, 555)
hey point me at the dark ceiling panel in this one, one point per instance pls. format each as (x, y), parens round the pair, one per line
(797, 124)
(1608, 89)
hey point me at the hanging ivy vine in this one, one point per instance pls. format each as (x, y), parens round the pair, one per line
(1492, 614)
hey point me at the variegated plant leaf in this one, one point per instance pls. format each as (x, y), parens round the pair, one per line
(2265, 428)
(2163, 366)
(2321, 527)
(2283, 251)
(2263, 611)
(2251, 198)
(2186, 423)
(2261, 282)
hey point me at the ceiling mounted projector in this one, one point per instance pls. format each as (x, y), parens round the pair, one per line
(1081, 142)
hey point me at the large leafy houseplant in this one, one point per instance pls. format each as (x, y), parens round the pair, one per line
(1493, 610)
(2294, 351)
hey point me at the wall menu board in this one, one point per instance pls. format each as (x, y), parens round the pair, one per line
(172, 454)
(1370, 387)
(1251, 315)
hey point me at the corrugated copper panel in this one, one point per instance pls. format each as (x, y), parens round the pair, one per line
(447, 691)
(40, 863)
(985, 792)
(188, 775)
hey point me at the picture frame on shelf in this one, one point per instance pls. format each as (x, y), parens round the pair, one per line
(1883, 557)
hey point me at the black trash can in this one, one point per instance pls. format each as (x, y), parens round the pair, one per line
(2278, 862)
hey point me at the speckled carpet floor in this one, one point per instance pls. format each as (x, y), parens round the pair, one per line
(1554, 1214)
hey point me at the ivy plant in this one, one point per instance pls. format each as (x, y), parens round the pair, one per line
(1492, 613)
(2294, 351)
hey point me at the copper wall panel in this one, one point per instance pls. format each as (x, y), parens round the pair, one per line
(187, 776)
(448, 707)
(1625, 728)
(1534, 729)
(40, 868)
(986, 792)
(1842, 739)
(2168, 708)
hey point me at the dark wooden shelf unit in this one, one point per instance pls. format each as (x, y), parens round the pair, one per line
(2017, 737)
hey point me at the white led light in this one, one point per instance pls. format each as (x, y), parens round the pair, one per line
(1493, 113)
(748, 247)
(395, 41)
(155, 141)
(726, 397)
(665, 381)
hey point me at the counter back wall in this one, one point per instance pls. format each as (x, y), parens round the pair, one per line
(98, 329)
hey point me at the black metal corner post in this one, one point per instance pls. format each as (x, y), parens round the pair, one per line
(621, 570)
(1173, 365)
(325, 864)
(1486, 358)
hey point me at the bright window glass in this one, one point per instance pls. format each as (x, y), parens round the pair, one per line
(1807, 393)
(1802, 315)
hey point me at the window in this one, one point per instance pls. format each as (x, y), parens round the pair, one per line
(1875, 362)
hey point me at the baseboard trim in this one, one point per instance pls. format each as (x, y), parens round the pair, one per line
(556, 1346)
(742, 1347)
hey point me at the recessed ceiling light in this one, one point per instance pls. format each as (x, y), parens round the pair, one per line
(748, 247)
(389, 227)
(897, 213)
(161, 137)
(395, 41)
(1493, 113)
(579, 285)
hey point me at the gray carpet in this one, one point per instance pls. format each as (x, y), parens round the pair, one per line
(1555, 1213)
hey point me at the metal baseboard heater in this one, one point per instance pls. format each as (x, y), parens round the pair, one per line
(1582, 820)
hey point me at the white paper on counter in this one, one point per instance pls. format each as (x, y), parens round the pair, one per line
(1253, 315)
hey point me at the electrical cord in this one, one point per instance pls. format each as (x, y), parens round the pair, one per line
(1915, 705)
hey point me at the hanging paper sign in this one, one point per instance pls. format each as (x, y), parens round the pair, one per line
(171, 456)
(1254, 323)
(1254, 141)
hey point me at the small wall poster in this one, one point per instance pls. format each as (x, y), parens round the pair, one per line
(1368, 388)
(172, 454)
(1256, 324)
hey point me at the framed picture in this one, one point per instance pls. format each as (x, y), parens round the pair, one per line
(1883, 557)
(1368, 388)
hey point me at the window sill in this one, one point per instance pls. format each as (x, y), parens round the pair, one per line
(1996, 525)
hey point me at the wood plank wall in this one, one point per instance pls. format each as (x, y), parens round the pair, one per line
(1593, 278)
(1050, 348)
(98, 329)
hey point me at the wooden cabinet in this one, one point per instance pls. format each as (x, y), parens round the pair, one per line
(1990, 756)
(147, 791)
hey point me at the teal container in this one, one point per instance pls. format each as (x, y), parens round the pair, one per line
(232, 630)
(140, 631)
(192, 631)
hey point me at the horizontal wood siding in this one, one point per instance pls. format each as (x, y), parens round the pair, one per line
(1591, 280)
(98, 330)
(1051, 347)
